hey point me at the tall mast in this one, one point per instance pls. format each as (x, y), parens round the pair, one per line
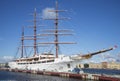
(22, 40)
(56, 30)
(35, 37)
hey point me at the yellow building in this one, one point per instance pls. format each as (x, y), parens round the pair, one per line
(95, 65)
(2, 64)
(105, 65)
(113, 65)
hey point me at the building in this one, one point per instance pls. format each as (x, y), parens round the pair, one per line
(105, 65)
(95, 65)
(113, 65)
(2, 65)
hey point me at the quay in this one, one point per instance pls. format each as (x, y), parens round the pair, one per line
(83, 76)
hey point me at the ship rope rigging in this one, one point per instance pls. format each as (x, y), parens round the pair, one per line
(56, 31)
(34, 37)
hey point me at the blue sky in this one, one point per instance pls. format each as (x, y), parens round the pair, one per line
(96, 24)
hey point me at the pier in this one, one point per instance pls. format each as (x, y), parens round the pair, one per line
(83, 76)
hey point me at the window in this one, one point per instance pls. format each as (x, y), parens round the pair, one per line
(34, 62)
(68, 65)
(43, 61)
(38, 62)
(36, 59)
(50, 60)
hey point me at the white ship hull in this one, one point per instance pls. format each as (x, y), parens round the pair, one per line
(62, 64)
(48, 62)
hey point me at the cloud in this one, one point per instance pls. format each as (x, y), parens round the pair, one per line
(5, 59)
(47, 14)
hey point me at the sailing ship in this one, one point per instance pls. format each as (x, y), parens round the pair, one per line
(48, 61)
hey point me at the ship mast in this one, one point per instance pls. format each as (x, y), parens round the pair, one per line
(35, 37)
(31, 37)
(56, 31)
(22, 40)
(56, 19)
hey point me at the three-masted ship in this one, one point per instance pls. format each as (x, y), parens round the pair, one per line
(48, 61)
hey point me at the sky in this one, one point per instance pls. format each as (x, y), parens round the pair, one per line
(95, 25)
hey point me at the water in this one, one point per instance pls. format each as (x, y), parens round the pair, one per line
(105, 72)
(15, 76)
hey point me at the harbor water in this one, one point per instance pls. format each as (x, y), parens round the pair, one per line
(110, 72)
(21, 76)
(16, 76)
